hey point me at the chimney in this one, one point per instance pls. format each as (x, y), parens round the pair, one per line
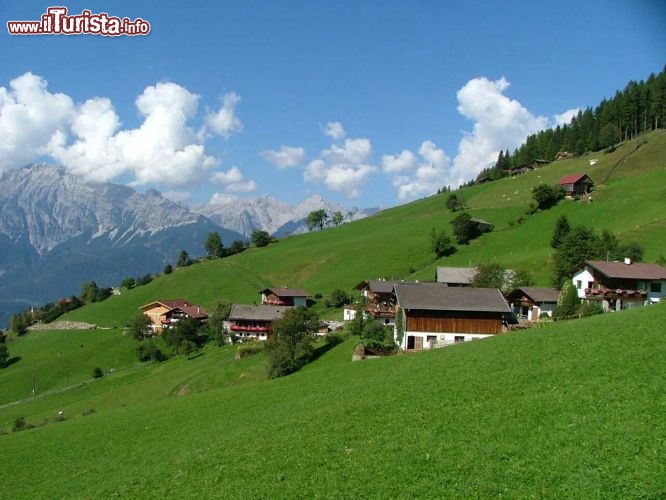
(627, 261)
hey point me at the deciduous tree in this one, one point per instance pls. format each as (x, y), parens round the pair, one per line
(464, 229)
(213, 245)
(291, 344)
(4, 355)
(547, 196)
(317, 219)
(441, 243)
(455, 202)
(139, 326)
(260, 238)
(337, 218)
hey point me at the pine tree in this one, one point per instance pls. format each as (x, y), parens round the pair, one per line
(561, 229)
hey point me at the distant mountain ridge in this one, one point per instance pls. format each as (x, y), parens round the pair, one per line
(245, 215)
(58, 230)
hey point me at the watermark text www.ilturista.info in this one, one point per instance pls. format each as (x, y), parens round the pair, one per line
(56, 22)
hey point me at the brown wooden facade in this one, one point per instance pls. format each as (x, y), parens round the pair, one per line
(471, 322)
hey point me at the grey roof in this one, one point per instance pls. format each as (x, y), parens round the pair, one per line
(459, 275)
(286, 292)
(261, 312)
(378, 286)
(540, 295)
(439, 297)
(634, 271)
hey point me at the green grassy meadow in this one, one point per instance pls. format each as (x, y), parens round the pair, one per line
(572, 409)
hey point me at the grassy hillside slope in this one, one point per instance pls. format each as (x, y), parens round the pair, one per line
(574, 409)
(629, 201)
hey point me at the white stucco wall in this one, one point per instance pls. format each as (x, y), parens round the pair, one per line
(442, 339)
(585, 277)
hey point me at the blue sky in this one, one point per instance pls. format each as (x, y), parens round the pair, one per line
(371, 103)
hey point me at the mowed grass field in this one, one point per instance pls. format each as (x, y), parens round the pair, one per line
(574, 409)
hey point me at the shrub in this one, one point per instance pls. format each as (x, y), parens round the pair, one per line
(19, 424)
(98, 372)
(441, 243)
(590, 309)
(376, 348)
(335, 338)
(248, 349)
(547, 196)
(149, 351)
(339, 297)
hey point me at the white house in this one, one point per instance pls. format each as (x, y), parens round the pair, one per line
(620, 285)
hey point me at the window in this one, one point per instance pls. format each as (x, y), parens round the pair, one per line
(655, 287)
(459, 338)
(579, 284)
(590, 283)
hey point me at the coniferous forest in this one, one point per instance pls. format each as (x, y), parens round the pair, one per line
(640, 107)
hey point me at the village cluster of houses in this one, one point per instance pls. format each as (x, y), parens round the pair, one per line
(440, 313)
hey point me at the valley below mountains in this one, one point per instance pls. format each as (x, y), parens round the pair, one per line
(58, 231)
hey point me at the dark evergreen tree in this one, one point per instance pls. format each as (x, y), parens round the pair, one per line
(561, 229)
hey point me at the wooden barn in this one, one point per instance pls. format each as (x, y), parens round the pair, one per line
(434, 315)
(576, 184)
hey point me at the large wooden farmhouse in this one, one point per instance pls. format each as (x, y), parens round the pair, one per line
(434, 315)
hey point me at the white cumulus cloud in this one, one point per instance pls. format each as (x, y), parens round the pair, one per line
(499, 123)
(405, 160)
(233, 181)
(343, 168)
(334, 130)
(566, 117)
(30, 118)
(224, 122)
(223, 199)
(418, 175)
(88, 138)
(285, 157)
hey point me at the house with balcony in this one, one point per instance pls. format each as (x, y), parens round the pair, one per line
(620, 285)
(380, 300)
(253, 322)
(164, 314)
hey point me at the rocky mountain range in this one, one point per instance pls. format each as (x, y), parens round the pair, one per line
(245, 215)
(58, 231)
